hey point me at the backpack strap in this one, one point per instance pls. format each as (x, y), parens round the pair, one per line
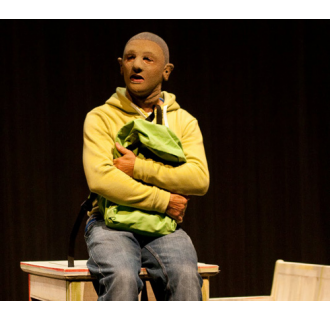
(86, 206)
(159, 115)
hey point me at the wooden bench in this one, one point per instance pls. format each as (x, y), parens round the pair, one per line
(55, 281)
(295, 282)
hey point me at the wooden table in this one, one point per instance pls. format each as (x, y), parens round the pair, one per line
(55, 281)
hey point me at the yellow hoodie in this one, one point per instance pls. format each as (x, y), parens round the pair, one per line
(153, 181)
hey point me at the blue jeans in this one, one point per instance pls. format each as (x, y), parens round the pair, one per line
(116, 257)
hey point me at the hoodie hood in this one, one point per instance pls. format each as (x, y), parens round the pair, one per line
(120, 101)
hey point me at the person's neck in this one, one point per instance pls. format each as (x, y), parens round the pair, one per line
(145, 103)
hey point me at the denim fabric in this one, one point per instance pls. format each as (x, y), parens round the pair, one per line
(116, 257)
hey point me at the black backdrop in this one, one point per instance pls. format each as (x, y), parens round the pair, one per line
(260, 90)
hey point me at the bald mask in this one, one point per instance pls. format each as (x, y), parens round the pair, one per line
(153, 37)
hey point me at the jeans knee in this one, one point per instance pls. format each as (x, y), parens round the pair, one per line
(184, 270)
(185, 283)
(122, 284)
(125, 277)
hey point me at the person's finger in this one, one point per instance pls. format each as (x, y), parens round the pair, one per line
(121, 149)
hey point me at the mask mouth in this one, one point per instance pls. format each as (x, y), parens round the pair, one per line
(136, 78)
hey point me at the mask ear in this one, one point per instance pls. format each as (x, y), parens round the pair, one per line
(167, 71)
(120, 60)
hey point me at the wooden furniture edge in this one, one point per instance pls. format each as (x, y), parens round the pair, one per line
(79, 273)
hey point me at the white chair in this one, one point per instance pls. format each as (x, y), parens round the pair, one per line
(294, 282)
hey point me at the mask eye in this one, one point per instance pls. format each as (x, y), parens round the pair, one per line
(130, 57)
(147, 58)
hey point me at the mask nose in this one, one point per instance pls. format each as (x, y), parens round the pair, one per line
(137, 66)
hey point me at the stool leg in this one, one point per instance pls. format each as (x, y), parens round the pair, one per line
(143, 294)
(74, 291)
(29, 287)
(150, 292)
(147, 293)
(206, 289)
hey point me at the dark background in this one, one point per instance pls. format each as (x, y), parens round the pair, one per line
(260, 90)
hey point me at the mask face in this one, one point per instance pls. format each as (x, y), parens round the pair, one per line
(143, 67)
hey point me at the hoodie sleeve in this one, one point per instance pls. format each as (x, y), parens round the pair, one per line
(108, 181)
(191, 178)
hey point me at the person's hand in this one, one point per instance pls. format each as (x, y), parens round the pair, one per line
(126, 162)
(177, 207)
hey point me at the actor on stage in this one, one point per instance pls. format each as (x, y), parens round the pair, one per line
(116, 256)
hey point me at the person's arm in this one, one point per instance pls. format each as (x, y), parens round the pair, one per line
(191, 178)
(106, 180)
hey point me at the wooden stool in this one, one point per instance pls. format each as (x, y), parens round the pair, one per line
(55, 281)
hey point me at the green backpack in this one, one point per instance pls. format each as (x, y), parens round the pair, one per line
(148, 141)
